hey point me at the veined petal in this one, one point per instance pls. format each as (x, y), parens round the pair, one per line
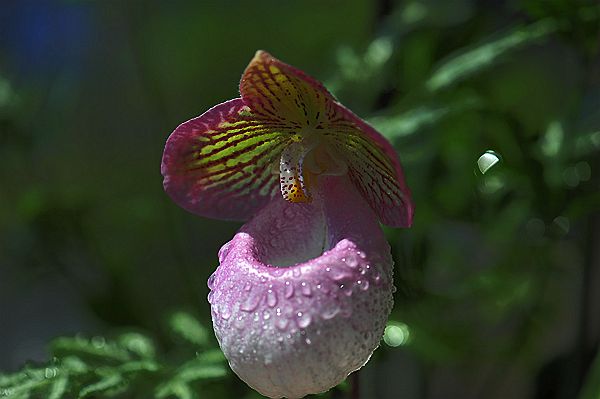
(373, 166)
(221, 164)
(303, 291)
(281, 92)
(278, 91)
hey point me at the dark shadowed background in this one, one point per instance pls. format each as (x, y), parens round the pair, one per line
(498, 281)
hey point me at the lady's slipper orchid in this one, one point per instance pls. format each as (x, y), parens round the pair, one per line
(303, 290)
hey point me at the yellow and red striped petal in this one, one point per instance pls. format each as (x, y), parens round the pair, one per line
(278, 91)
(222, 163)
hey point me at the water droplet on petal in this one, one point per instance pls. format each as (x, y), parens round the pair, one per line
(377, 279)
(281, 323)
(303, 319)
(225, 312)
(296, 272)
(268, 360)
(289, 289)
(266, 315)
(211, 281)
(351, 261)
(251, 301)
(277, 272)
(305, 289)
(240, 322)
(363, 284)
(308, 341)
(271, 298)
(324, 288)
(339, 273)
(330, 310)
(247, 286)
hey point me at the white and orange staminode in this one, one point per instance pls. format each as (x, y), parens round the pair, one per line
(303, 290)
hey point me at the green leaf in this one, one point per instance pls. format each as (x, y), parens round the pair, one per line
(178, 389)
(96, 347)
(188, 327)
(59, 387)
(109, 381)
(211, 356)
(413, 120)
(137, 344)
(195, 370)
(482, 56)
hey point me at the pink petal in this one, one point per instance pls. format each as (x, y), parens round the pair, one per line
(302, 327)
(219, 164)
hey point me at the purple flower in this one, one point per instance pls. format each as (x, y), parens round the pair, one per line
(303, 291)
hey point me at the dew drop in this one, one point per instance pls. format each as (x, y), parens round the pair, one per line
(277, 272)
(303, 319)
(487, 160)
(247, 286)
(281, 323)
(324, 288)
(377, 279)
(225, 312)
(305, 289)
(240, 322)
(296, 272)
(330, 310)
(308, 341)
(224, 251)
(266, 315)
(363, 284)
(351, 261)
(211, 281)
(338, 274)
(251, 301)
(271, 298)
(289, 289)
(345, 289)
(50, 372)
(210, 297)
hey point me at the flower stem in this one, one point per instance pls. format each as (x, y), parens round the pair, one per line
(355, 385)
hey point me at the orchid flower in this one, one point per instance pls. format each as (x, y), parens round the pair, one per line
(302, 293)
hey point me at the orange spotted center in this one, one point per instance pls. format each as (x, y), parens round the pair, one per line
(301, 164)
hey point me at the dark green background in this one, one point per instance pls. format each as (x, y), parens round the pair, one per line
(498, 280)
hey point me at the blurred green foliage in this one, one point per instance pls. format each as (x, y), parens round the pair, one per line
(496, 279)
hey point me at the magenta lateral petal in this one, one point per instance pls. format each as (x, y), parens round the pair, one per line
(219, 165)
(398, 210)
(301, 328)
